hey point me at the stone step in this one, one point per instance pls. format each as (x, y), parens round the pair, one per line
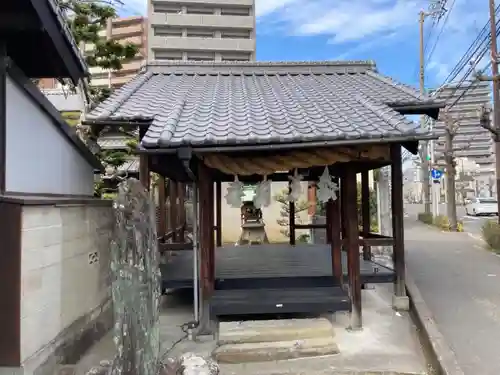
(275, 351)
(273, 330)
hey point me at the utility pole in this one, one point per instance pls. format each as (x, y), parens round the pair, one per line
(436, 11)
(483, 112)
(496, 92)
(449, 155)
(425, 144)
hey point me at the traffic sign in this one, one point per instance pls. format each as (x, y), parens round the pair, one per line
(436, 174)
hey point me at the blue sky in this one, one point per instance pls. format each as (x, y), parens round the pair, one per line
(385, 31)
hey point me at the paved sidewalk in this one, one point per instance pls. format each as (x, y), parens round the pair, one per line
(460, 282)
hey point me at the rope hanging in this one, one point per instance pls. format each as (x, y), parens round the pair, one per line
(267, 165)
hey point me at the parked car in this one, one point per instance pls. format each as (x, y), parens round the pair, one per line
(482, 206)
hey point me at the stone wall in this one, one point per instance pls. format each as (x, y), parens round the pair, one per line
(65, 284)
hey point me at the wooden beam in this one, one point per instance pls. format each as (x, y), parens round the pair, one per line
(218, 212)
(181, 195)
(173, 212)
(333, 208)
(211, 218)
(291, 218)
(352, 238)
(310, 226)
(397, 220)
(365, 211)
(206, 228)
(175, 247)
(15, 22)
(144, 168)
(162, 209)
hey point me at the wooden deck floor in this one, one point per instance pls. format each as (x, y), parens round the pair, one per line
(269, 266)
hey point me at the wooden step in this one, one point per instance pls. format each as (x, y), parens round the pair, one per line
(278, 301)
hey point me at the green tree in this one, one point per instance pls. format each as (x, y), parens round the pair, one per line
(283, 221)
(86, 19)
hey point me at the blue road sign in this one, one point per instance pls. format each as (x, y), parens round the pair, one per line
(436, 174)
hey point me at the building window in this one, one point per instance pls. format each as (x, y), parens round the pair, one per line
(200, 10)
(168, 31)
(166, 8)
(235, 34)
(235, 56)
(201, 56)
(199, 33)
(168, 55)
(235, 11)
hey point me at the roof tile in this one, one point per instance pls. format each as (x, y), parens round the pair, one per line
(250, 103)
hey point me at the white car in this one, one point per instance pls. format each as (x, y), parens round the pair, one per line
(482, 206)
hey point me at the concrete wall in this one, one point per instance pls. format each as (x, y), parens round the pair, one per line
(39, 157)
(231, 219)
(64, 281)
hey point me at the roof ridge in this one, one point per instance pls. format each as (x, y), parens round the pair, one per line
(369, 63)
(212, 67)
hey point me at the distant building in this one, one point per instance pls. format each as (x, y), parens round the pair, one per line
(471, 141)
(203, 30)
(129, 29)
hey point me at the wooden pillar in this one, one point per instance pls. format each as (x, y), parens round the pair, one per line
(397, 220)
(352, 245)
(218, 212)
(328, 221)
(205, 229)
(162, 211)
(365, 212)
(291, 218)
(144, 171)
(173, 209)
(211, 217)
(343, 215)
(181, 195)
(333, 210)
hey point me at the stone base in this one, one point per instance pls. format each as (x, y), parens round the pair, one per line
(401, 303)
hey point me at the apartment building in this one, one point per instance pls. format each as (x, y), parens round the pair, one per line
(471, 141)
(127, 29)
(201, 30)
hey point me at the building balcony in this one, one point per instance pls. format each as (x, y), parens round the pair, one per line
(247, 3)
(202, 21)
(202, 44)
(129, 30)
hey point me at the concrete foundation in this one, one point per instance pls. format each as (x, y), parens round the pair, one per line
(401, 303)
(387, 344)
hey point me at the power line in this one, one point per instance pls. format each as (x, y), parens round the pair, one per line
(466, 57)
(429, 56)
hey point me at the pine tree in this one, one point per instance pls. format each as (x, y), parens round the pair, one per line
(86, 19)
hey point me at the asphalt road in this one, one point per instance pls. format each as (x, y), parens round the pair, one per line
(472, 224)
(459, 281)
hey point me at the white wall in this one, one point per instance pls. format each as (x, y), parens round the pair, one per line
(58, 283)
(40, 159)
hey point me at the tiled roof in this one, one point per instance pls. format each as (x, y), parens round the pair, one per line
(202, 104)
